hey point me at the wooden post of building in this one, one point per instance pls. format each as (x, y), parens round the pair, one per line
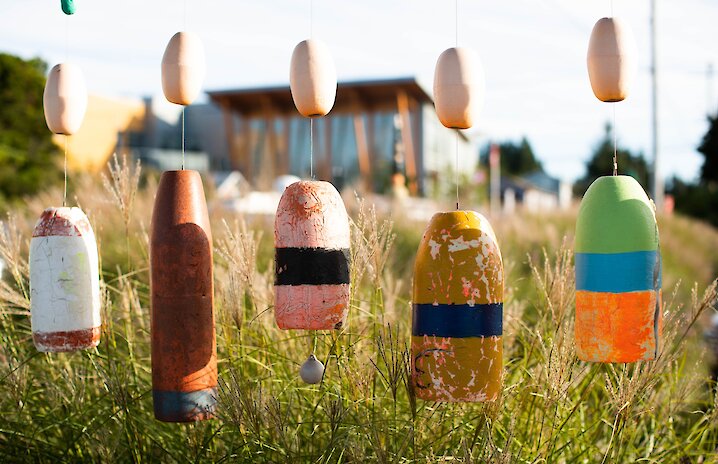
(284, 161)
(246, 158)
(327, 171)
(234, 159)
(402, 101)
(362, 151)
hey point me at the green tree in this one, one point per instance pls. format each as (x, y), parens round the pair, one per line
(601, 163)
(27, 154)
(516, 158)
(709, 149)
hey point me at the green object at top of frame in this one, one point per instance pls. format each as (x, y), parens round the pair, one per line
(616, 216)
(68, 6)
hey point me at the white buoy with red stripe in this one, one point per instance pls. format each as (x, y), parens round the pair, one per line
(64, 282)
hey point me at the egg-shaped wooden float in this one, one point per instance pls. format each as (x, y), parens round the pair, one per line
(311, 235)
(65, 99)
(458, 88)
(183, 68)
(184, 352)
(610, 58)
(64, 282)
(457, 315)
(313, 78)
(618, 273)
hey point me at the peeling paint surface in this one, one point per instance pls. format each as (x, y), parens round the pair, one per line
(616, 327)
(311, 307)
(311, 214)
(457, 369)
(184, 350)
(311, 218)
(458, 268)
(64, 282)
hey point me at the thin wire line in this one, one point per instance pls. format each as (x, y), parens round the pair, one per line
(64, 194)
(457, 169)
(615, 142)
(311, 148)
(311, 19)
(183, 108)
(456, 23)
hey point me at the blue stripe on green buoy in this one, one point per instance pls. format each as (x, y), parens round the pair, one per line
(68, 6)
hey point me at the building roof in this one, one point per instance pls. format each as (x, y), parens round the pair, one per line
(537, 180)
(365, 94)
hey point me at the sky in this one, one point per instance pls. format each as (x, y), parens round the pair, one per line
(533, 53)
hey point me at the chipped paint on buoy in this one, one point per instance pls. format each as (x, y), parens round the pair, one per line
(457, 310)
(64, 282)
(184, 352)
(618, 273)
(312, 78)
(64, 99)
(183, 68)
(311, 235)
(610, 59)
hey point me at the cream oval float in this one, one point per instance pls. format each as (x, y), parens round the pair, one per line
(183, 68)
(65, 99)
(184, 347)
(64, 282)
(610, 59)
(313, 78)
(458, 88)
(457, 310)
(618, 273)
(312, 240)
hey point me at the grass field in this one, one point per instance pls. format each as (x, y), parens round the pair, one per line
(96, 406)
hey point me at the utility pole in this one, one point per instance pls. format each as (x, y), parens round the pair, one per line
(710, 104)
(658, 189)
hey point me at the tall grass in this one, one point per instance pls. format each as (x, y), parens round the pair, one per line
(96, 405)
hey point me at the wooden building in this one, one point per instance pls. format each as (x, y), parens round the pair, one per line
(376, 130)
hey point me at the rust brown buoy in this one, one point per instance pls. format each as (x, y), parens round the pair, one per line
(184, 351)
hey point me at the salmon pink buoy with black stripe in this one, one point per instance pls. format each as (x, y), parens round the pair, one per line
(457, 316)
(311, 235)
(64, 282)
(184, 349)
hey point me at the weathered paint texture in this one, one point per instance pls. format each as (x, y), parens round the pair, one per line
(457, 310)
(618, 273)
(311, 235)
(64, 282)
(184, 352)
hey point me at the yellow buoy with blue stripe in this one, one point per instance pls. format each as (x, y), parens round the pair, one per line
(457, 319)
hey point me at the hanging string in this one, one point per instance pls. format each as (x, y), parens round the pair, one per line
(456, 164)
(311, 19)
(183, 108)
(64, 169)
(615, 142)
(456, 180)
(456, 23)
(311, 148)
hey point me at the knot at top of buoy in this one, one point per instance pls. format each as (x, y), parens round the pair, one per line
(458, 88)
(313, 78)
(65, 99)
(610, 59)
(68, 7)
(183, 68)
